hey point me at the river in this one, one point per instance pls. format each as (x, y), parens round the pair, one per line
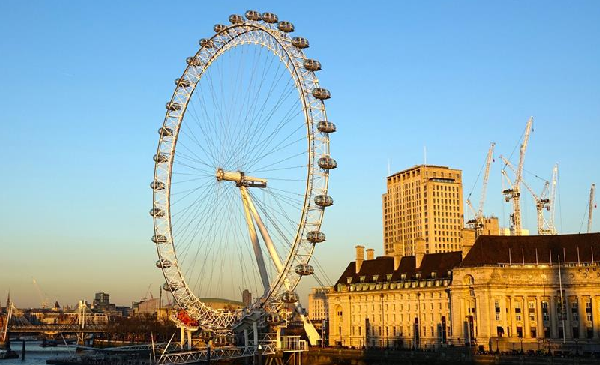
(36, 354)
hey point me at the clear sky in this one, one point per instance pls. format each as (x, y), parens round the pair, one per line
(83, 87)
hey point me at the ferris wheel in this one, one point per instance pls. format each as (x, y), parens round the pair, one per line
(241, 171)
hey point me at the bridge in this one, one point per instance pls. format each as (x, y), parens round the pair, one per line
(57, 328)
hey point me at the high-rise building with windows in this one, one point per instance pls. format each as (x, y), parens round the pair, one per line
(425, 203)
(101, 301)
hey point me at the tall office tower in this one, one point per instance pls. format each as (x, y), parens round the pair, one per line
(423, 204)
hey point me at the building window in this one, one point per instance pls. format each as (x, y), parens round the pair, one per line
(545, 314)
(497, 306)
(531, 307)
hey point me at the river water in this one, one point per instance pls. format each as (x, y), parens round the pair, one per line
(36, 354)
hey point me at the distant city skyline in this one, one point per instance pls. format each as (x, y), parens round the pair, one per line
(84, 87)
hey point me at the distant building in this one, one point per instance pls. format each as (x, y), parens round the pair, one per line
(317, 303)
(491, 226)
(146, 307)
(507, 232)
(425, 203)
(246, 298)
(101, 301)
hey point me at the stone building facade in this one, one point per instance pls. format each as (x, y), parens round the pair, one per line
(507, 293)
(531, 292)
(399, 301)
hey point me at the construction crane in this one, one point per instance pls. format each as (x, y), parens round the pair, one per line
(591, 206)
(477, 221)
(542, 202)
(514, 191)
(148, 292)
(553, 189)
(43, 299)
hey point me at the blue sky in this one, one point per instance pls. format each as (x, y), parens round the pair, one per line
(83, 88)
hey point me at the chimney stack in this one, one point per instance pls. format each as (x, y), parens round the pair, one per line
(397, 255)
(360, 257)
(419, 251)
(370, 254)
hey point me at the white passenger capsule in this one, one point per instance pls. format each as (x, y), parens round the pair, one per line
(206, 43)
(167, 287)
(315, 236)
(312, 65)
(269, 18)
(289, 297)
(157, 212)
(157, 185)
(327, 163)
(160, 158)
(165, 132)
(236, 19)
(172, 106)
(321, 93)
(304, 269)
(286, 27)
(300, 42)
(182, 83)
(326, 127)
(252, 15)
(163, 264)
(193, 61)
(159, 238)
(323, 200)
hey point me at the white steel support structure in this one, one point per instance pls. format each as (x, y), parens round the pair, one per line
(4, 329)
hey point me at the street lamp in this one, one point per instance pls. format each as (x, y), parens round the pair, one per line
(521, 345)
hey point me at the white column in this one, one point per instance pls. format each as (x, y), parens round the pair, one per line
(255, 246)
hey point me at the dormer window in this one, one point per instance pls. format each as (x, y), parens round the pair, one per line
(388, 277)
(349, 280)
(375, 277)
(403, 276)
(433, 274)
(362, 279)
(418, 275)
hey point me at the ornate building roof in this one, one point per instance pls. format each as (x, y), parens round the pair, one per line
(495, 250)
(378, 269)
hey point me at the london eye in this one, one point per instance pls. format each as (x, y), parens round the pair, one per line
(241, 171)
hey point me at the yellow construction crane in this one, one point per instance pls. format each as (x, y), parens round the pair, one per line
(477, 221)
(514, 191)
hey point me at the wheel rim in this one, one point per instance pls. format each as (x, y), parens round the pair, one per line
(175, 158)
